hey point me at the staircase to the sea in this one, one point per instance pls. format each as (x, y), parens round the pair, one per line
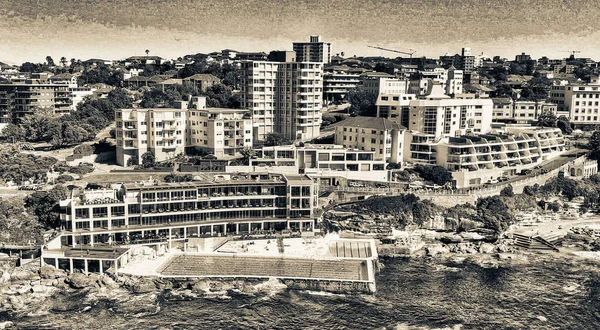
(538, 242)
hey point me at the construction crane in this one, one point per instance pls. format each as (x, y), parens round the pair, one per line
(572, 52)
(410, 53)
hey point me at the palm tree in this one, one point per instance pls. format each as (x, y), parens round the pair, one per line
(147, 52)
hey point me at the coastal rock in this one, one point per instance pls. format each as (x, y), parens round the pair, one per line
(436, 249)
(463, 248)
(108, 282)
(200, 286)
(163, 284)
(542, 318)
(5, 278)
(471, 236)
(447, 239)
(49, 272)
(22, 274)
(143, 285)
(42, 289)
(16, 303)
(487, 248)
(80, 281)
(5, 325)
(21, 289)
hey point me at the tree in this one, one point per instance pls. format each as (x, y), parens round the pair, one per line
(494, 213)
(43, 204)
(547, 119)
(147, 52)
(248, 153)
(49, 61)
(362, 103)
(564, 124)
(120, 98)
(13, 133)
(148, 160)
(30, 67)
(594, 146)
(507, 191)
(63, 61)
(434, 173)
(276, 139)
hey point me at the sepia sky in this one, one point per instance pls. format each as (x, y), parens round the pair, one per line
(81, 29)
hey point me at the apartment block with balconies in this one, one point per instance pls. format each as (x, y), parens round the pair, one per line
(176, 212)
(221, 132)
(582, 101)
(283, 97)
(160, 131)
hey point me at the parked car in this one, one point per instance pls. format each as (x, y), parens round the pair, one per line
(544, 171)
(525, 172)
(491, 181)
(502, 178)
(415, 186)
(433, 186)
(355, 184)
(381, 185)
(537, 167)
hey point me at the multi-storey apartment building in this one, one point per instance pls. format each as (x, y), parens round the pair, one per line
(160, 131)
(439, 115)
(380, 135)
(528, 111)
(474, 159)
(583, 102)
(284, 97)
(503, 109)
(328, 162)
(313, 51)
(338, 81)
(395, 107)
(454, 83)
(557, 95)
(26, 97)
(377, 84)
(520, 111)
(221, 132)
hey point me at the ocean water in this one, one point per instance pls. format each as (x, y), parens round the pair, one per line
(542, 293)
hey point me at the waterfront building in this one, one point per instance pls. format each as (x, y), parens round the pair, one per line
(583, 167)
(439, 115)
(328, 162)
(221, 132)
(315, 50)
(474, 159)
(158, 130)
(380, 135)
(132, 213)
(582, 102)
(283, 97)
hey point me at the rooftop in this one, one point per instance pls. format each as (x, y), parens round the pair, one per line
(371, 122)
(203, 76)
